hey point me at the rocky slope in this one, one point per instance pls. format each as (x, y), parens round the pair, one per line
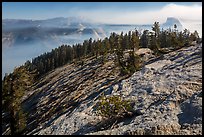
(167, 94)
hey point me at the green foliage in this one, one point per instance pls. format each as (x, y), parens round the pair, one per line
(133, 63)
(113, 106)
(137, 62)
(135, 41)
(144, 40)
(14, 87)
(155, 42)
(21, 122)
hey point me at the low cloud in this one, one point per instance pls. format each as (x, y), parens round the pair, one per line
(193, 12)
(190, 16)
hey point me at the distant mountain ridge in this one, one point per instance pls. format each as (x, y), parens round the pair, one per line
(53, 22)
(62, 22)
(56, 30)
(21, 31)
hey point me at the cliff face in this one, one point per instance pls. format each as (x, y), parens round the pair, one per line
(171, 21)
(167, 93)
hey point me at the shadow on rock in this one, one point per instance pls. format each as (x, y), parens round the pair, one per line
(191, 110)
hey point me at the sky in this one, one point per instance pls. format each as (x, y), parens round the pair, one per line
(133, 12)
(108, 12)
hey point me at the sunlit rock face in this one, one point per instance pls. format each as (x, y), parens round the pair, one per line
(167, 96)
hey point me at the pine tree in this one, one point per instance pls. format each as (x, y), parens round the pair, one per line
(14, 87)
(174, 40)
(112, 41)
(195, 33)
(156, 29)
(126, 41)
(194, 36)
(145, 39)
(119, 56)
(186, 34)
(175, 28)
(83, 49)
(135, 41)
(153, 43)
(89, 47)
(197, 36)
(163, 39)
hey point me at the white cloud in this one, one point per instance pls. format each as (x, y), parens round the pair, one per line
(190, 16)
(193, 12)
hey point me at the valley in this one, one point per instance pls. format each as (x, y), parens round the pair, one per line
(39, 36)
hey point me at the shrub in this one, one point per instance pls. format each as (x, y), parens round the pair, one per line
(131, 64)
(113, 106)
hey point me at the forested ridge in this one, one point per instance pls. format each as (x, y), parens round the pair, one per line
(159, 40)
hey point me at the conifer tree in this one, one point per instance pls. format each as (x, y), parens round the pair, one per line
(156, 29)
(186, 35)
(14, 87)
(145, 39)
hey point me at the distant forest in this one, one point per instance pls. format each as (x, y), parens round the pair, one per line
(155, 40)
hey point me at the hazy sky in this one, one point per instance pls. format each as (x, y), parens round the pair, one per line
(105, 12)
(189, 13)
